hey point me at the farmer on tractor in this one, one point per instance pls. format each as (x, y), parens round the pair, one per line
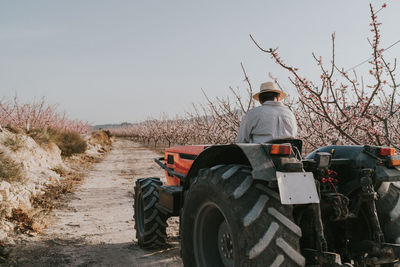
(262, 204)
(270, 121)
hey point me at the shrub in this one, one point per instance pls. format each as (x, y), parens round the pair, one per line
(44, 135)
(70, 143)
(14, 142)
(10, 171)
(14, 129)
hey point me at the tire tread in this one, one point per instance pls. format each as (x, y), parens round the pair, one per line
(154, 220)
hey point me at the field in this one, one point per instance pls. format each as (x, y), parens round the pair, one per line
(66, 191)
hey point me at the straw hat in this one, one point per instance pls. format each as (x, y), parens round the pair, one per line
(269, 87)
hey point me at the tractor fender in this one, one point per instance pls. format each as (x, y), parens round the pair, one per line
(254, 155)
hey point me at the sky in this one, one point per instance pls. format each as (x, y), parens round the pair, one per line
(116, 61)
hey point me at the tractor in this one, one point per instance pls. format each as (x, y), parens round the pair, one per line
(266, 205)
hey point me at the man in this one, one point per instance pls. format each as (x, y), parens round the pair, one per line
(270, 121)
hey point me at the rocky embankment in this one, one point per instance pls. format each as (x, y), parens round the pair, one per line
(94, 225)
(29, 170)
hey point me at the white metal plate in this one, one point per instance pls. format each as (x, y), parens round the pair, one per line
(297, 188)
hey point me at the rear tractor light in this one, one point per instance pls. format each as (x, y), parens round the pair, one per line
(280, 150)
(392, 160)
(395, 160)
(387, 151)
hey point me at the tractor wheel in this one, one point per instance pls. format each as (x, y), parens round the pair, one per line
(229, 219)
(150, 222)
(388, 207)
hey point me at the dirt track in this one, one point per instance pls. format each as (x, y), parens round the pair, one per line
(95, 226)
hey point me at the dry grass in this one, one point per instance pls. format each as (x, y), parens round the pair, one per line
(14, 129)
(14, 143)
(23, 222)
(89, 160)
(54, 192)
(10, 171)
(102, 137)
(60, 170)
(34, 221)
(31, 223)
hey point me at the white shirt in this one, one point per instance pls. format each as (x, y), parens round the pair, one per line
(270, 121)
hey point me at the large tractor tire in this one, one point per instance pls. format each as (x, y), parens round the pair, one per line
(229, 219)
(388, 207)
(150, 222)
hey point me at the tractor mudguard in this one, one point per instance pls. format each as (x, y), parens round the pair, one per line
(254, 155)
(384, 174)
(263, 168)
(260, 161)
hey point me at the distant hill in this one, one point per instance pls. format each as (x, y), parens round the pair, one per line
(111, 125)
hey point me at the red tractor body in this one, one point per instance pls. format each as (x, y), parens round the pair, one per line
(180, 159)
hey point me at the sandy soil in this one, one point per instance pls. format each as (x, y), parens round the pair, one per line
(95, 227)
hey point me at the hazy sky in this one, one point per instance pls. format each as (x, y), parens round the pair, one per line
(115, 61)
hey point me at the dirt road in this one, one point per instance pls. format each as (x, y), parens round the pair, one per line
(95, 227)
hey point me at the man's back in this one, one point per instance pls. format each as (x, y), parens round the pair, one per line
(268, 122)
